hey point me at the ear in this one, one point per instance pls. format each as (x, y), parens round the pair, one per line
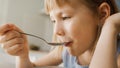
(104, 12)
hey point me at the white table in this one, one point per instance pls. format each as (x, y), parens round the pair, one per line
(50, 67)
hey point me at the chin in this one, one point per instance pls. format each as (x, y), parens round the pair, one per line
(73, 53)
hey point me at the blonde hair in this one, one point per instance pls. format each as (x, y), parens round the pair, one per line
(51, 4)
(92, 4)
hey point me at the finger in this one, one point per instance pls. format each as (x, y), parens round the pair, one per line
(19, 30)
(14, 49)
(12, 42)
(4, 28)
(19, 52)
(9, 35)
(16, 28)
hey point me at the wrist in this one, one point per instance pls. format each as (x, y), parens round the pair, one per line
(23, 62)
(22, 57)
(111, 28)
(113, 23)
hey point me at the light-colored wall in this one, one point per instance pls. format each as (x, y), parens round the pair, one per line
(29, 16)
(3, 10)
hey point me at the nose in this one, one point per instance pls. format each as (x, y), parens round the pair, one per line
(59, 29)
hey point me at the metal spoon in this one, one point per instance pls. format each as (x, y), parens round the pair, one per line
(50, 43)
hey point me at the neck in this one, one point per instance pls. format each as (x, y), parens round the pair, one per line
(85, 58)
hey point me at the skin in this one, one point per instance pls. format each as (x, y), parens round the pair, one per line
(77, 25)
(75, 28)
(67, 29)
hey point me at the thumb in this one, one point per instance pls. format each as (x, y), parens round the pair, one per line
(5, 28)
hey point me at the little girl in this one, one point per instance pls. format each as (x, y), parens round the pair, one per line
(89, 27)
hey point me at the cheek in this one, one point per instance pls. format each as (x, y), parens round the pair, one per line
(83, 33)
(80, 29)
(72, 30)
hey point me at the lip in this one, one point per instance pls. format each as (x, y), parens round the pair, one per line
(68, 44)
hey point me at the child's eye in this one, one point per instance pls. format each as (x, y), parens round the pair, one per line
(64, 18)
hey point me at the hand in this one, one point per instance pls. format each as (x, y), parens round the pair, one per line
(114, 20)
(12, 41)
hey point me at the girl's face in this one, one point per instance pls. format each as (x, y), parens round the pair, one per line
(76, 25)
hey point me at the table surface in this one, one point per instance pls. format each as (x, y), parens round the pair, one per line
(50, 67)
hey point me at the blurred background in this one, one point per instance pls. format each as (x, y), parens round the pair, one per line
(29, 15)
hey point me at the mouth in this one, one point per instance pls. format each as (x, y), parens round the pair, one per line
(68, 43)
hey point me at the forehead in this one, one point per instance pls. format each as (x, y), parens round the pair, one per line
(53, 4)
(58, 11)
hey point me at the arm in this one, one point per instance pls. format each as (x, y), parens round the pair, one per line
(118, 61)
(23, 63)
(15, 44)
(105, 52)
(53, 58)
